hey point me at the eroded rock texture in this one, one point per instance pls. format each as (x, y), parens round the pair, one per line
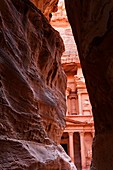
(46, 6)
(32, 90)
(92, 25)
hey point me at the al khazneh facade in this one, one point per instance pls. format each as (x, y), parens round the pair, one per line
(78, 135)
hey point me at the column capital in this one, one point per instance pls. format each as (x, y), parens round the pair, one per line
(79, 92)
(70, 133)
(81, 133)
(93, 134)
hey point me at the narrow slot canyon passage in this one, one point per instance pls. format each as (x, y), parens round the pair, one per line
(56, 97)
(92, 27)
(79, 132)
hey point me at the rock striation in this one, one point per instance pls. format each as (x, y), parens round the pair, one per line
(92, 25)
(32, 90)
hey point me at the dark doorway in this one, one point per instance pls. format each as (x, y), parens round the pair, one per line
(65, 142)
(65, 147)
(77, 154)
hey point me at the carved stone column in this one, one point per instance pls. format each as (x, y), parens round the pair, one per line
(68, 102)
(71, 146)
(69, 106)
(73, 105)
(83, 158)
(79, 103)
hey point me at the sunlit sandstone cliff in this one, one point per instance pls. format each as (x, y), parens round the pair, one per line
(32, 90)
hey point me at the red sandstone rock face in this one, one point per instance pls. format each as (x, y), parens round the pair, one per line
(92, 24)
(32, 90)
(46, 6)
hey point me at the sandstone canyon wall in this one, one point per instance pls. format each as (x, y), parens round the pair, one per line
(32, 90)
(92, 25)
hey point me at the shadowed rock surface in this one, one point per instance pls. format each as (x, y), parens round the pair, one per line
(92, 25)
(32, 90)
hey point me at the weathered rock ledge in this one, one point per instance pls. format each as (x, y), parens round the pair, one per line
(32, 90)
(27, 155)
